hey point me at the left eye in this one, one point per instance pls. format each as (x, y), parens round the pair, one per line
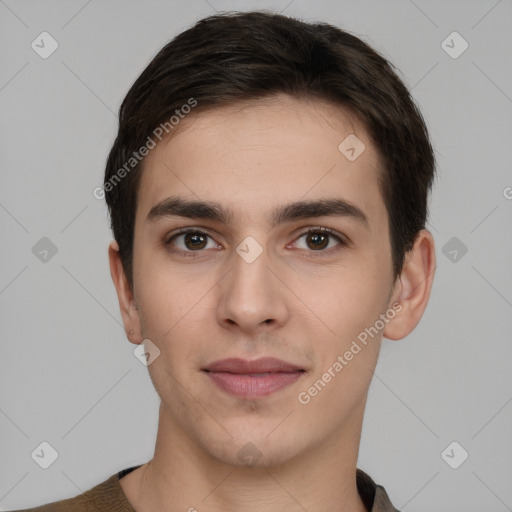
(318, 239)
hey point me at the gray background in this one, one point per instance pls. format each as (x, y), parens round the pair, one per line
(68, 375)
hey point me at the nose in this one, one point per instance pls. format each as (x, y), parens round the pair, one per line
(253, 296)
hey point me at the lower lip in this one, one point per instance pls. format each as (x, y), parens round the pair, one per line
(253, 386)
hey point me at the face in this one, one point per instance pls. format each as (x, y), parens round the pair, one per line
(252, 277)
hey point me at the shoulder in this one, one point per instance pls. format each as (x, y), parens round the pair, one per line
(107, 496)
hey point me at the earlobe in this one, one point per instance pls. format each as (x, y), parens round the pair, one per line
(414, 288)
(127, 304)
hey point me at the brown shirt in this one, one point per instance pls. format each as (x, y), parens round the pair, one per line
(109, 497)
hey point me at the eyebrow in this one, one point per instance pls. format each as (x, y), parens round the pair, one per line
(211, 210)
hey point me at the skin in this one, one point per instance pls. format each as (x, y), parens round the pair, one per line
(294, 302)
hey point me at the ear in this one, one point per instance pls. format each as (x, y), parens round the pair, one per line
(412, 288)
(127, 304)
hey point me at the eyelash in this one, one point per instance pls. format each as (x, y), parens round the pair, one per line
(318, 229)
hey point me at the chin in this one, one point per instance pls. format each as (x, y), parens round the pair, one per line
(254, 450)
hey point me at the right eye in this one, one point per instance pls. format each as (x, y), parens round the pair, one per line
(189, 241)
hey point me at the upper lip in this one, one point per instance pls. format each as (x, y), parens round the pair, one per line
(244, 366)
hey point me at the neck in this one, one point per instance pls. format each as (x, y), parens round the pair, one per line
(183, 477)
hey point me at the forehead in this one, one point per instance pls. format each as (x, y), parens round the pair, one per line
(264, 152)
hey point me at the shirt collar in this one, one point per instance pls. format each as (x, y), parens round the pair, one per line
(375, 497)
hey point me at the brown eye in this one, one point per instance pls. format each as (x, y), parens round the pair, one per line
(189, 241)
(319, 239)
(195, 241)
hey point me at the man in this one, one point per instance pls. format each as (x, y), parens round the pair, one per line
(268, 194)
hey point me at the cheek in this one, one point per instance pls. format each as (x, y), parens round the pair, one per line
(347, 350)
(172, 310)
(346, 301)
(165, 294)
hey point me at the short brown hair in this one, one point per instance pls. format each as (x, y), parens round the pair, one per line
(237, 56)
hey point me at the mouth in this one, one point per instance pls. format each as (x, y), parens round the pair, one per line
(253, 379)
